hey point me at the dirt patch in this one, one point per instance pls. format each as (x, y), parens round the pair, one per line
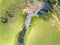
(33, 7)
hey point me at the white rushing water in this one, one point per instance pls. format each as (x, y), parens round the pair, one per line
(29, 17)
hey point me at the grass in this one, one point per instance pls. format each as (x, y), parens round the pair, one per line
(8, 34)
(41, 32)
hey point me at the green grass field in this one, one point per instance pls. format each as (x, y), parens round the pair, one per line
(42, 31)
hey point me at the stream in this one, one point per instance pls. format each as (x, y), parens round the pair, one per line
(27, 23)
(46, 8)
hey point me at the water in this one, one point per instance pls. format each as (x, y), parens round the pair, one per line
(27, 23)
(28, 20)
(45, 9)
